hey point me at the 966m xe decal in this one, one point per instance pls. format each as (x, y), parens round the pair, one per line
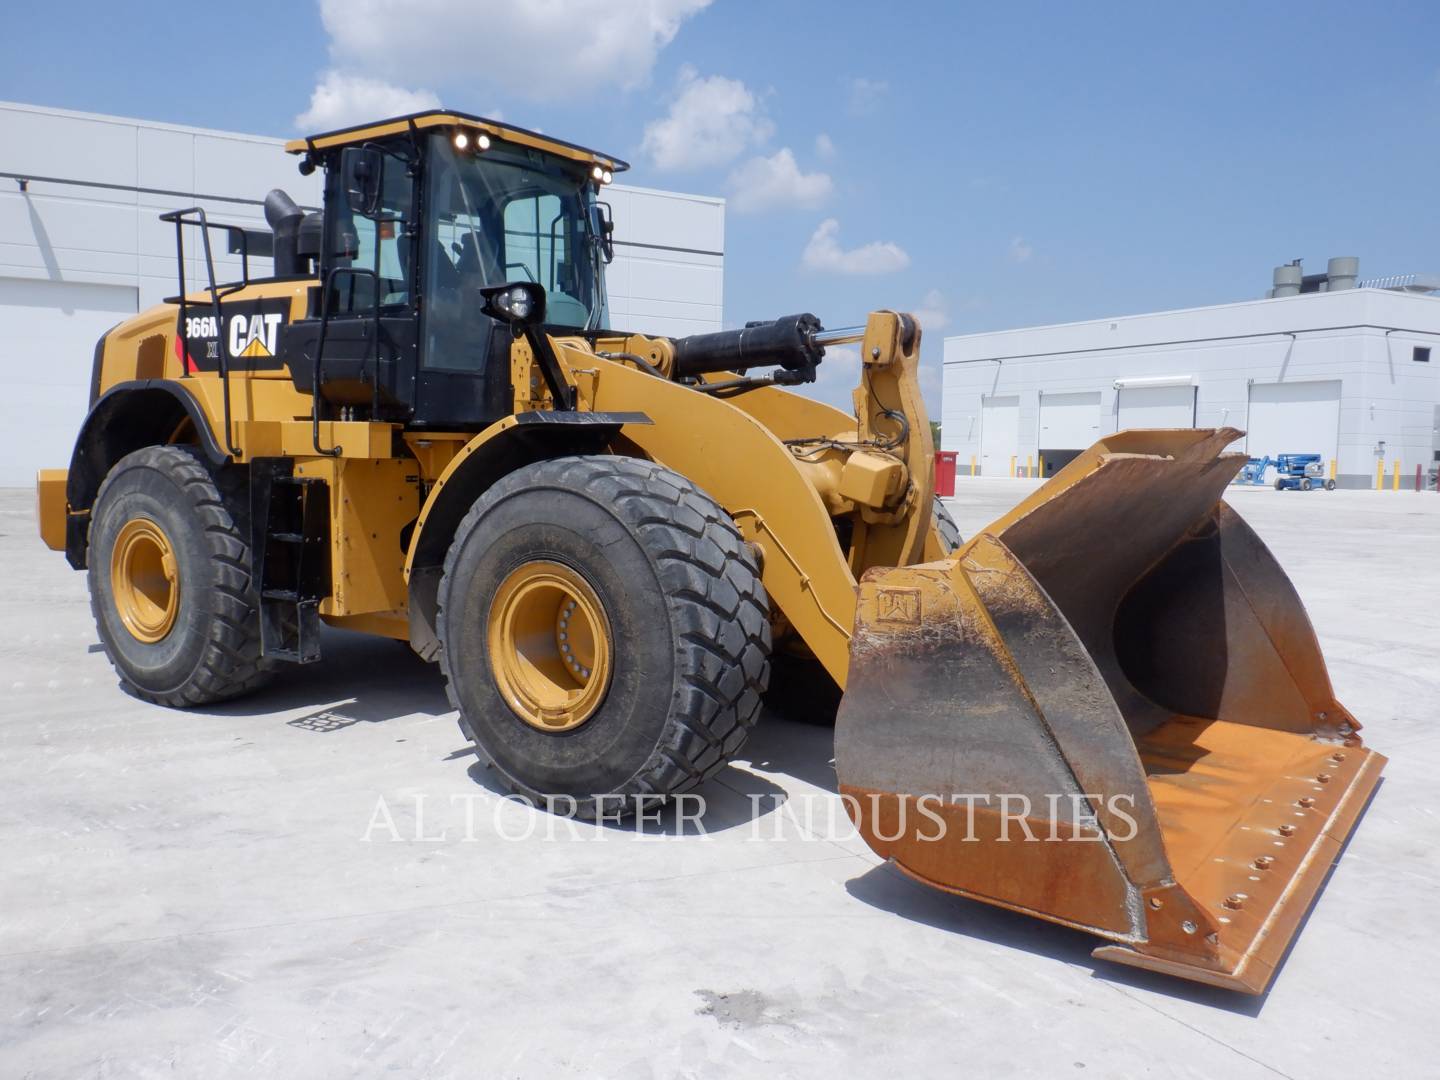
(248, 331)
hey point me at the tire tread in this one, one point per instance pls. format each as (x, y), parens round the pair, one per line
(712, 583)
(231, 664)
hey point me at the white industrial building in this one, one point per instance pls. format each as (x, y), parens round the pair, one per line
(1346, 373)
(82, 247)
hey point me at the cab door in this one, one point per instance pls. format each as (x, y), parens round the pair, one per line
(363, 322)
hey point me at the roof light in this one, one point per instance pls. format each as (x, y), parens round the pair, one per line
(598, 173)
(483, 142)
(607, 176)
(462, 141)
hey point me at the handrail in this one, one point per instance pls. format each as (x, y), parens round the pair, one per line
(181, 218)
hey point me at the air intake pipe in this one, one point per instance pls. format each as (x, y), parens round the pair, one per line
(284, 218)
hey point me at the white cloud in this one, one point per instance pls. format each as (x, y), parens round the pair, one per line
(537, 49)
(932, 312)
(824, 146)
(824, 253)
(343, 99)
(712, 121)
(1020, 251)
(763, 183)
(866, 94)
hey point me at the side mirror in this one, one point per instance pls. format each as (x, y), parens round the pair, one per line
(518, 303)
(361, 171)
(602, 228)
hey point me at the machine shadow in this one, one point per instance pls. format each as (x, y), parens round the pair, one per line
(362, 679)
(886, 888)
(734, 798)
(740, 794)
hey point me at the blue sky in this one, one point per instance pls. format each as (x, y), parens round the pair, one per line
(988, 165)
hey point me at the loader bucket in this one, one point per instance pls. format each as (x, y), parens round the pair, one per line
(1109, 710)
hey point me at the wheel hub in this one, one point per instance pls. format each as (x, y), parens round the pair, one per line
(143, 580)
(550, 645)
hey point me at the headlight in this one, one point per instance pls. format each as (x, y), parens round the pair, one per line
(518, 302)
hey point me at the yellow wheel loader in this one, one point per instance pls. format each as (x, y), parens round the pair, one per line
(1107, 710)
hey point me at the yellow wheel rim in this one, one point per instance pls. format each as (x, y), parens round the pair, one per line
(550, 647)
(143, 580)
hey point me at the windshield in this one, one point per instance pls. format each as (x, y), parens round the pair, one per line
(511, 214)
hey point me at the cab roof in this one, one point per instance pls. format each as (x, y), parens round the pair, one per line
(433, 118)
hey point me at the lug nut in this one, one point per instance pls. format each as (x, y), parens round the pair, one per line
(1337, 758)
(1235, 901)
(1263, 862)
(1324, 778)
(1305, 801)
(1156, 903)
(1287, 830)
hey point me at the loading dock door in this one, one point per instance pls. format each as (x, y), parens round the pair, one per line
(999, 434)
(1069, 423)
(1294, 418)
(48, 331)
(1155, 407)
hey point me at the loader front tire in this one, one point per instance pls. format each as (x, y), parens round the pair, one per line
(169, 580)
(949, 532)
(651, 583)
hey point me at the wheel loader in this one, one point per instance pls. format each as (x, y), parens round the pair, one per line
(1108, 709)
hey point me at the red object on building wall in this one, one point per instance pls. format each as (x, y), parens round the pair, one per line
(945, 472)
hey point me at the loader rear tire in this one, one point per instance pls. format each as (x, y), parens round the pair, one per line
(169, 579)
(663, 583)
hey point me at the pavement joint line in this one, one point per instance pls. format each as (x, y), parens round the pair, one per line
(1199, 1031)
(470, 902)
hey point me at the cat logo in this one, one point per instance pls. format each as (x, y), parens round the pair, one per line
(253, 336)
(898, 606)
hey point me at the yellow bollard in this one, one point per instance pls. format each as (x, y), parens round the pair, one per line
(1395, 478)
(1012, 466)
(1332, 468)
(1029, 467)
(1380, 474)
(972, 464)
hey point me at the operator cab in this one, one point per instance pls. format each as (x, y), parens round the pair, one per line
(422, 213)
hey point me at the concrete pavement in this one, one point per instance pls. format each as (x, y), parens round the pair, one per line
(318, 881)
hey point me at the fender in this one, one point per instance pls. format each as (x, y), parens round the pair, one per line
(745, 467)
(127, 417)
(503, 447)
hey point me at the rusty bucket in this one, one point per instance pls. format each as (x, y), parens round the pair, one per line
(1109, 710)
